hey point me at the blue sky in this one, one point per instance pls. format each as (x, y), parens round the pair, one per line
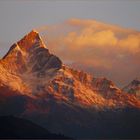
(19, 17)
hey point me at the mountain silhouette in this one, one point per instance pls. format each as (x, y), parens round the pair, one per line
(13, 127)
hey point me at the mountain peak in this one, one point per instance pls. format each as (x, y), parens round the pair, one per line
(34, 31)
(33, 34)
(27, 43)
(30, 41)
(31, 53)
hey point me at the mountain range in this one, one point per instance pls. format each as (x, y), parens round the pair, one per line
(37, 86)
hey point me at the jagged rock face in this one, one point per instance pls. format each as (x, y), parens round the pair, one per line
(27, 60)
(133, 88)
(46, 88)
(83, 89)
(31, 52)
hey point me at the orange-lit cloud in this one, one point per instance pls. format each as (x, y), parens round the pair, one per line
(96, 47)
(89, 37)
(131, 43)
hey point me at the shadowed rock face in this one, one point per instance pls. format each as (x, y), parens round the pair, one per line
(34, 84)
(133, 88)
(136, 82)
(41, 60)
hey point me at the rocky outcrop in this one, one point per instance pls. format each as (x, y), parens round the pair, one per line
(133, 88)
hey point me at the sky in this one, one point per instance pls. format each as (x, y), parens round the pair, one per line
(19, 17)
(111, 47)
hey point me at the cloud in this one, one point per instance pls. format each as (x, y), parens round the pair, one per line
(89, 37)
(130, 43)
(96, 47)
